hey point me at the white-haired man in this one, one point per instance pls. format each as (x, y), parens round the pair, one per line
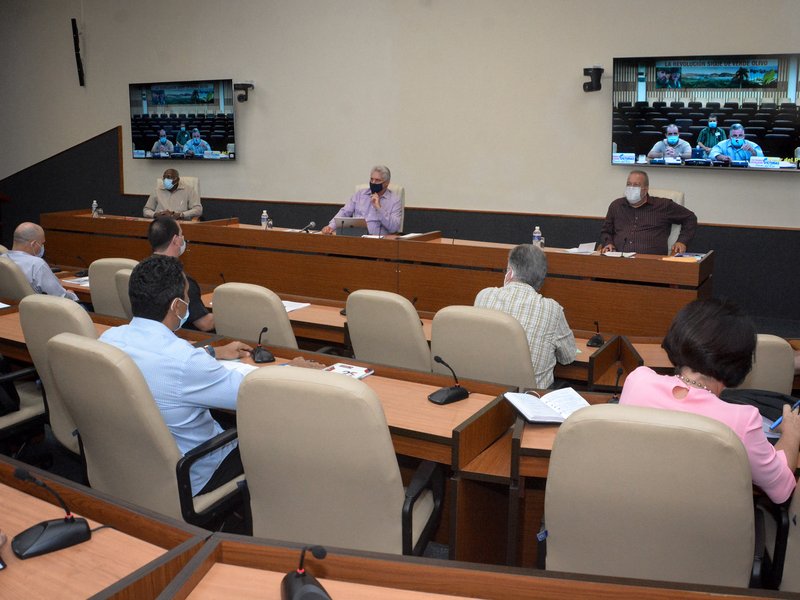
(379, 206)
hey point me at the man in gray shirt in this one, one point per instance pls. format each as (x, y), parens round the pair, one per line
(671, 147)
(27, 253)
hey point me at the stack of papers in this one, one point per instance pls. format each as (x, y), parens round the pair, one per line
(290, 306)
(586, 248)
(553, 407)
(4, 305)
(81, 281)
(350, 370)
(620, 254)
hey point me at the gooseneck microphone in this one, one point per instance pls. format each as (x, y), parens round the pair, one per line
(596, 340)
(52, 535)
(311, 225)
(343, 312)
(299, 585)
(261, 354)
(447, 395)
(615, 397)
(84, 262)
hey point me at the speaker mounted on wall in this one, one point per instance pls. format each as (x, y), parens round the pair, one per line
(77, 43)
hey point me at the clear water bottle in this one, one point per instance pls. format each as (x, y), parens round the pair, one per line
(538, 238)
(264, 219)
(94, 208)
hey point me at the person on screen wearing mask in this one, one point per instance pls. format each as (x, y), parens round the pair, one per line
(182, 137)
(379, 206)
(173, 198)
(735, 148)
(673, 146)
(27, 253)
(162, 145)
(196, 146)
(710, 136)
(166, 237)
(641, 223)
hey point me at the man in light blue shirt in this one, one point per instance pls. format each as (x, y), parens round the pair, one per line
(27, 253)
(379, 206)
(196, 146)
(185, 381)
(735, 148)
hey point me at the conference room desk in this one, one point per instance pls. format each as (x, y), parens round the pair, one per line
(233, 567)
(437, 271)
(138, 551)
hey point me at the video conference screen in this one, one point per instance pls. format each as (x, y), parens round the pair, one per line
(711, 112)
(183, 120)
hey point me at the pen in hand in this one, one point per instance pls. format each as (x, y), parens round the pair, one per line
(779, 420)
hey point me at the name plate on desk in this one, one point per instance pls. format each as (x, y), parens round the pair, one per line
(623, 158)
(764, 162)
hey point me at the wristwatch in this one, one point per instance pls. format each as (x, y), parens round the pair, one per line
(210, 350)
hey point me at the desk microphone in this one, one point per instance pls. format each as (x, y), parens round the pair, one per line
(343, 312)
(52, 535)
(261, 354)
(624, 243)
(615, 397)
(82, 272)
(596, 340)
(299, 585)
(222, 276)
(446, 395)
(311, 225)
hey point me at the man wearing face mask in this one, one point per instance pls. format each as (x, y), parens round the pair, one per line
(673, 146)
(379, 206)
(196, 146)
(27, 253)
(549, 337)
(162, 145)
(173, 198)
(185, 381)
(711, 135)
(641, 223)
(166, 237)
(736, 148)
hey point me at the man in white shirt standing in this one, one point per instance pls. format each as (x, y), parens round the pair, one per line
(27, 253)
(549, 335)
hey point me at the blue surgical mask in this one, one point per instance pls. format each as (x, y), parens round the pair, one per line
(195, 141)
(737, 142)
(183, 128)
(672, 139)
(168, 183)
(163, 140)
(712, 124)
(375, 188)
(184, 317)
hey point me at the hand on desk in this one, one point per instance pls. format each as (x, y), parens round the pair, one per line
(233, 351)
(327, 230)
(305, 364)
(677, 248)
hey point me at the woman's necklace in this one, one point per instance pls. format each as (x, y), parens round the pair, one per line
(692, 382)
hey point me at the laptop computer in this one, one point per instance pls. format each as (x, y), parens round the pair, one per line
(351, 226)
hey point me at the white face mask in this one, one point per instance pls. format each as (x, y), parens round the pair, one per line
(183, 247)
(633, 194)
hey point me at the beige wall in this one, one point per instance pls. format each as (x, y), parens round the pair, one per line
(474, 104)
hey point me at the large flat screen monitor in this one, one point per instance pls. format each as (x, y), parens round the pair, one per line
(183, 120)
(753, 94)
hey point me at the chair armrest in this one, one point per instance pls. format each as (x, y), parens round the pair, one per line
(184, 465)
(773, 574)
(427, 476)
(20, 374)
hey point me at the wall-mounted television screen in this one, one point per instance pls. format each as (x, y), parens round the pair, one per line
(186, 120)
(707, 112)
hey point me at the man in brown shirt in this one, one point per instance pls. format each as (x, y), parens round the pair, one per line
(641, 223)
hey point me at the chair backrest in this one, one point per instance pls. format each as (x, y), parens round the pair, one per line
(482, 343)
(103, 287)
(242, 309)
(129, 451)
(43, 317)
(319, 460)
(773, 365)
(192, 183)
(650, 494)
(13, 283)
(121, 280)
(385, 328)
(397, 189)
(678, 198)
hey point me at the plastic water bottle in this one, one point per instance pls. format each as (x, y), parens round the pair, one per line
(94, 208)
(264, 219)
(538, 238)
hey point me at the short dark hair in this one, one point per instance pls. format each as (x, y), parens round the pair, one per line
(712, 337)
(155, 283)
(161, 231)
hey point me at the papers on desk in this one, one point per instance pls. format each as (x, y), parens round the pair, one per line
(616, 254)
(290, 306)
(553, 407)
(685, 257)
(81, 281)
(235, 365)
(587, 248)
(408, 236)
(770, 433)
(4, 305)
(350, 370)
(372, 237)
